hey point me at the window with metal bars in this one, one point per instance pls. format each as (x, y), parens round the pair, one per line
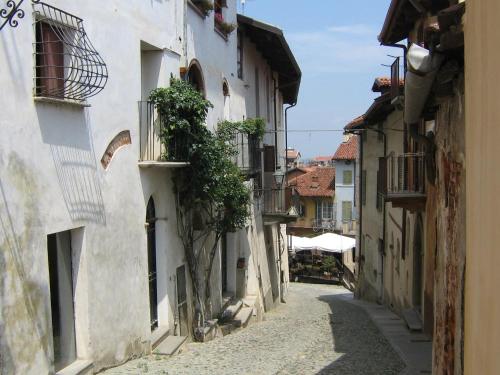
(67, 66)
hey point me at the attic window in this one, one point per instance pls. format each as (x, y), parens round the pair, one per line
(67, 66)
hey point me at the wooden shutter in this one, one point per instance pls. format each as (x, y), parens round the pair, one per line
(50, 61)
(269, 159)
(363, 187)
(347, 178)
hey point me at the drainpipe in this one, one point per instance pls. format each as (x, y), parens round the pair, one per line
(275, 122)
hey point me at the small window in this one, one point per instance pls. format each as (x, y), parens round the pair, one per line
(225, 88)
(195, 78)
(347, 178)
(240, 54)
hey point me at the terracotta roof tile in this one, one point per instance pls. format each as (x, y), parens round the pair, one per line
(292, 154)
(323, 158)
(318, 183)
(347, 150)
(355, 123)
(384, 83)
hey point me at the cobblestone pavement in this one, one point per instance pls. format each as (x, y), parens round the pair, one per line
(315, 332)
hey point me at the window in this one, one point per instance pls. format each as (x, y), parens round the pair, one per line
(346, 211)
(66, 64)
(324, 210)
(240, 54)
(347, 177)
(269, 159)
(381, 178)
(195, 77)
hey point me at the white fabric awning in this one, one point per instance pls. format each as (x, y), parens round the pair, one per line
(328, 242)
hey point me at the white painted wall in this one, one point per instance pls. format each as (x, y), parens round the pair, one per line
(51, 180)
(344, 191)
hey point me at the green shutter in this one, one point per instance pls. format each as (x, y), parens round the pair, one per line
(346, 211)
(347, 178)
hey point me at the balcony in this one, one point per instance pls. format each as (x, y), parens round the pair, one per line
(323, 225)
(152, 152)
(274, 206)
(405, 179)
(249, 156)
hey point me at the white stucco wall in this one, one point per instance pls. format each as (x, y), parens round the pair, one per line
(344, 192)
(51, 180)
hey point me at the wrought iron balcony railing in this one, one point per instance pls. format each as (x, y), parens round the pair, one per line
(151, 128)
(273, 202)
(405, 176)
(249, 157)
(323, 225)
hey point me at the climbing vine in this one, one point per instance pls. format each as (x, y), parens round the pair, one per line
(212, 198)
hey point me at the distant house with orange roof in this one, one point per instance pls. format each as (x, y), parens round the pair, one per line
(313, 193)
(345, 159)
(292, 158)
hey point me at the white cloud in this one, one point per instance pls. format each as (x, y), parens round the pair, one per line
(359, 29)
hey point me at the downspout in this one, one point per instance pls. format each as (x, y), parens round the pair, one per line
(286, 176)
(275, 122)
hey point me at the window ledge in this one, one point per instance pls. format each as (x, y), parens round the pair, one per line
(79, 367)
(196, 9)
(221, 34)
(45, 99)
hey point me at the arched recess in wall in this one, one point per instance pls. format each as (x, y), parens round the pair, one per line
(227, 103)
(195, 77)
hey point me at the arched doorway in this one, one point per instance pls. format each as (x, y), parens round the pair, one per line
(152, 273)
(195, 77)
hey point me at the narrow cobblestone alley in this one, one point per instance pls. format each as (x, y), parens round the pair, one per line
(315, 332)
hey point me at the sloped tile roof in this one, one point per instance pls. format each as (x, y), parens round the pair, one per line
(384, 83)
(347, 150)
(318, 183)
(355, 123)
(292, 154)
(323, 158)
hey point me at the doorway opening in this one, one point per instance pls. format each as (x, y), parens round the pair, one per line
(152, 273)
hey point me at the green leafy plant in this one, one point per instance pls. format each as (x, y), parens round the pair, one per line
(328, 264)
(253, 127)
(210, 191)
(225, 28)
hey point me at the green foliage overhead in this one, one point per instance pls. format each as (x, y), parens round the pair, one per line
(252, 126)
(211, 183)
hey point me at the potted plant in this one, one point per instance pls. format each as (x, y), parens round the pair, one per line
(224, 27)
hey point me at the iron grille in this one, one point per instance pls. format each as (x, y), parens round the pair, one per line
(12, 12)
(67, 66)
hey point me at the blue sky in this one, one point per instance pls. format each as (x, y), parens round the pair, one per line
(335, 44)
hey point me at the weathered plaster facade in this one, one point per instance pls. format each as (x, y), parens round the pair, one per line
(52, 181)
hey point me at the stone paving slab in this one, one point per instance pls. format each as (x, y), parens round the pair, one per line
(316, 332)
(415, 348)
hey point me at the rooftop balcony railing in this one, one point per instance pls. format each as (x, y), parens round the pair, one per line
(151, 129)
(405, 179)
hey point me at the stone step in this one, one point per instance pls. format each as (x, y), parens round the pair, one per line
(413, 320)
(170, 346)
(250, 301)
(243, 317)
(231, 311)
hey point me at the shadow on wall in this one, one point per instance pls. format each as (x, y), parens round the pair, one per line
(371, 355)
(23, 301)
(67, 131)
